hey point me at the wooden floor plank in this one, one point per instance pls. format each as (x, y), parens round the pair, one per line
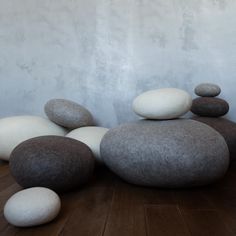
(165, 220)
(6, 181)
(7, 192)
(109, 206)
(192, 199)
(90, 213)
(9, 231)
(205, 223)
(4, 170)
(3, 223)
(225, 203)
(147, 195)
(127, 215)
(55, 227)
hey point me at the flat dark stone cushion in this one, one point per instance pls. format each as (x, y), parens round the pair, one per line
(210, 107)
(226, 128)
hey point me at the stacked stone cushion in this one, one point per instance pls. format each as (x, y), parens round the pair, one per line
(54, 162)
(174, 153)
(207, 90)
(68, 114)
(31, 207)
(226, 128)
(92, 137)
(168, 103)
(211, 107)
(16, 129)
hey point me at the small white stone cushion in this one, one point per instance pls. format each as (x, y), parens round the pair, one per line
(16, 129)
(91, 136)
(162, 104)
(31, 207)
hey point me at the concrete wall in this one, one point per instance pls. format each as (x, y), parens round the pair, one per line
(102, 53)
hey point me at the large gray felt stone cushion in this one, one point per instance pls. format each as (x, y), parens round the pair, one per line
(226, 128)
(211, 107)
(207, 90)
(68, 114)
(54, 162)
(174, 153)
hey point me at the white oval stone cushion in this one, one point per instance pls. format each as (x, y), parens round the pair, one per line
(91, 136)
(32, 206)
(162, 104)
(16, 129)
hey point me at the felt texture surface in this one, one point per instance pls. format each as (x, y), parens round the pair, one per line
(226, 128)
(54, 162)
(174, 153)
(210, 107)
(68, 113)
(207, 90)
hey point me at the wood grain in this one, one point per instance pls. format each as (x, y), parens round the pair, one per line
(205, 223)
(108, 206)
(165, 221)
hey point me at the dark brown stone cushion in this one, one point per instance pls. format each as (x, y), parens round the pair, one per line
(58, 163)
(211, 107)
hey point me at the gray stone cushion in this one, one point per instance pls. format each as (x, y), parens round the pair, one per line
(174, 153)
(207, 90)
(68, 114)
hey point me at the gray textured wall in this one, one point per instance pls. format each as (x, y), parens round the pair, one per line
(102, 53)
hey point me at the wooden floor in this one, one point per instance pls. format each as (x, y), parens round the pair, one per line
(110, 207)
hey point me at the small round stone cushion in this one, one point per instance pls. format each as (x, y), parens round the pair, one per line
(207, 90)
(68, 113)
(32, 207)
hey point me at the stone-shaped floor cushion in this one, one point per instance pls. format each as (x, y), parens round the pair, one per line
(32, 207)
(16, 129)
(92, 137)
(226, 128)
(54, 162)
(209, 107)
(68, 113)
(172, 154)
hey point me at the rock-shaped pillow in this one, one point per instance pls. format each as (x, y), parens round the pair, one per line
(172, 154)
(68, 114)
(207, 90)
(210, 107)
(162, 104)
(92, 137)
(54, 162)
(32, 207)
(226, 128)
(16, 129)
